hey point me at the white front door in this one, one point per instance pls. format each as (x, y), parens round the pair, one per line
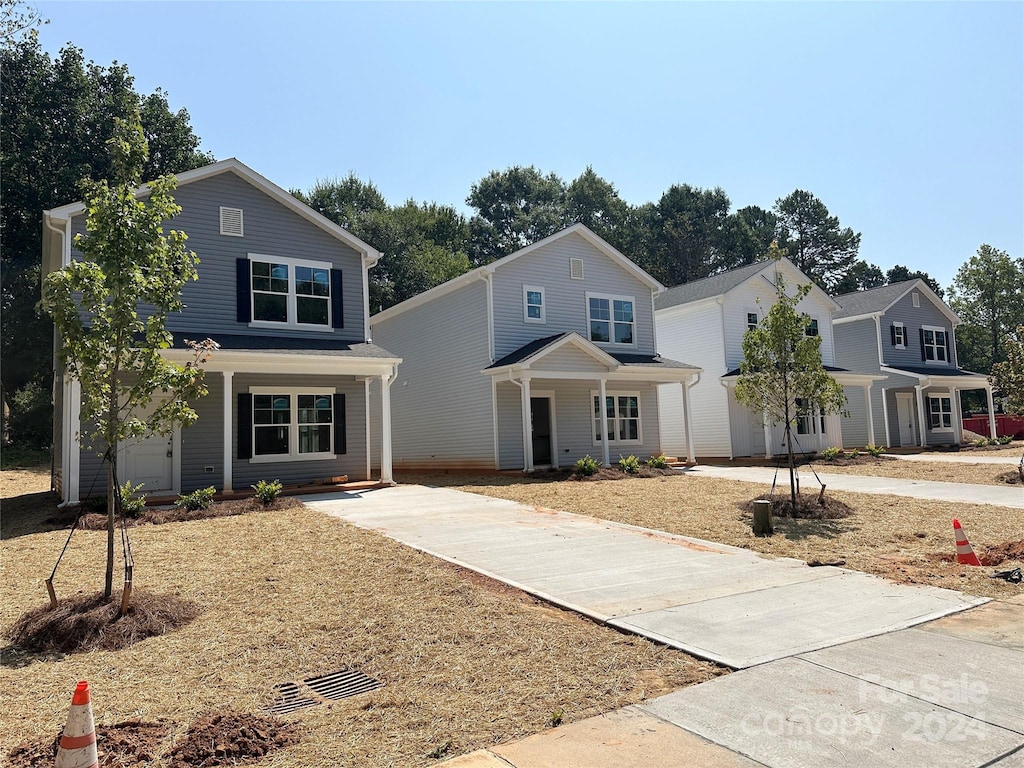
(905, 414)
(148, 461)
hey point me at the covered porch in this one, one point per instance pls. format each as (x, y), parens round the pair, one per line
(923, 407)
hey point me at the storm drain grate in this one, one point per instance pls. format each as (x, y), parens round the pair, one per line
(314, 690)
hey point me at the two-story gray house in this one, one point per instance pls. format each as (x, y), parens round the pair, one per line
(283, 291)
(535, 360)
(907, 334)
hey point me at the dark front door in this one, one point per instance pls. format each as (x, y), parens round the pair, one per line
(540, 417)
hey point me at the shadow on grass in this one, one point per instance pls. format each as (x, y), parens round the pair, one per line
(796, 530)
(30, 513)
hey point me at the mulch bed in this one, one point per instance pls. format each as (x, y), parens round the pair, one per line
(614, 473)
(853, 461)
(212, 740)
(808, 507)
(97, 521)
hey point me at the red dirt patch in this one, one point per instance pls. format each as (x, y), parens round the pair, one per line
(1010, 550)
(231, 739)
(97, 521)
(131, 743)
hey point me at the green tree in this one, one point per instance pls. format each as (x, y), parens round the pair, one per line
(594, 202)
(107, 345)
(988, 294)
(900, 273)
(860, 277)
(57, 114)
(18, 19)
(813, 239)
(781, 364)
(686, 234)
(1008, 375)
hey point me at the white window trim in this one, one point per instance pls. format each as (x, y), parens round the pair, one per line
(292, 297)
(940, 395)
(612, 298)
(915, 297)
(573, 262)
(241, 221)
(543, 305)
(293, 426)
(807, 327)
(903, 333)
(815, 419)
(943, 346)
(594, 424)
(746, 319)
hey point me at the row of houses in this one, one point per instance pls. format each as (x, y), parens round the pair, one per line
(563, 349)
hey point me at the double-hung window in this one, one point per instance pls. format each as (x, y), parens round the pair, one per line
(940, 413)
(622, 410)
(811, 329)
(533, 304)
(751, 321)
(611, 319)
(805, 418)
(899, 336)
(290, 292)
(288, 424)
(933, 344)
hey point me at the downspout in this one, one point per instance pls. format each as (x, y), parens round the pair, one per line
(878, 334)
(692, 458)
(367, 264)
(728, 419)
(522, 395)
(486, 276)
(63, 234)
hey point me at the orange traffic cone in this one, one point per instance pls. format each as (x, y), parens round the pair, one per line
(78, 744)
(964, 553)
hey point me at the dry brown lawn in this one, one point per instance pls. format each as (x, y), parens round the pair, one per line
(288, 594)
(942, 471)
(901, 539)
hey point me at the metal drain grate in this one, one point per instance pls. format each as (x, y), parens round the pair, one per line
(314, 690)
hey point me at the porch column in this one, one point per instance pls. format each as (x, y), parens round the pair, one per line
(369, 435)
(920, 413)
(871, 416)
(386, 475)
(603, 414)
(885, 416)
(991, 413)
(689, 425)
(228, 431)
(958, 415)
(767, 435)
(73, 426)
(819, 424)
(524, 391)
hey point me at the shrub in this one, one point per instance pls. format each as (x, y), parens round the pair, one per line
(586, 466)
(1004, 439)
(133, 503)
(831, 453)
(198, 499)
(629, 464)
(980, 442)
(852, 454)
(267, 492)
(875, 450)
(658, 462)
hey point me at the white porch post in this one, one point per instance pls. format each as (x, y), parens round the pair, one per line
(991, 413)
(602, 412)
(871, 416)
(369, 434)
(885, 417)
(73, 425)
(386, 475)
(689, 423)
(767, 435)
(524, 391)
(958, 416)
(920, 413)
(228, 431)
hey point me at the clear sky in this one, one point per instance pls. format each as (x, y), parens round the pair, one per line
(905, 119)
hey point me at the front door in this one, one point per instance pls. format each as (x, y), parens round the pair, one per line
(148, 461)
(540, 418)
(905, 414)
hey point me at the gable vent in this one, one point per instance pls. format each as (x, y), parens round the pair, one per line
(231, 221)
(917, 298)
(576, 269)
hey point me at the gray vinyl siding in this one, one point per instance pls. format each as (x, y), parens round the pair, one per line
(441, 413)
(351, 463)
(202, 444)
(857, 345)
(510, 426)
(564, 298)
(270, 229)
(92, 471)
(855, 427)
(913, 318)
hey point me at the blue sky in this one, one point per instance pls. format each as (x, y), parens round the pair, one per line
(906, 120)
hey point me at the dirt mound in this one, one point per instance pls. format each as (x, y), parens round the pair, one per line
(231, 739)
(97, 521)
(808, 507)
(90, 622)
(130, 743)
(1010, 550)
(1013, 477)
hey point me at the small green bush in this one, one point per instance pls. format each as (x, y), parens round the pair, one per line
(875, 450)
(658, 462)
(981, 442)
(1004, 439)
(586, 466)
(133, 503)
(198, 499)
(267, 492)
(629, 464)
(852, 454)
(831, 453)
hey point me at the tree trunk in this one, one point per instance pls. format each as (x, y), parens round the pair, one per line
(108, 584)
(792, 468)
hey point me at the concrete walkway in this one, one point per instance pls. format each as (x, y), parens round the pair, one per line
(836, 667)
(956, 458)
(1009, 496)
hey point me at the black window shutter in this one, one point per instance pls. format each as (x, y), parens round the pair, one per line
(244, 425)
(339, 425)
(243, 290)
(949, 357)
(337, 300)
(923, 356)
(892, 333)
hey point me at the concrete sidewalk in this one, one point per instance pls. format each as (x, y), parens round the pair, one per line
(1009, 496)
(956, 458)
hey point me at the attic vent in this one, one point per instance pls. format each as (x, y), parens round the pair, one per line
(916, 297)
(231, 221)
(576, 269)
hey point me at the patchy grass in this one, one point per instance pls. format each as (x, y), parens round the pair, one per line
(941, 471)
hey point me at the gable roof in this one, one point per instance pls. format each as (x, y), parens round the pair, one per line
(232, 165)
(480, 272)
(540, 348)
(876, 301)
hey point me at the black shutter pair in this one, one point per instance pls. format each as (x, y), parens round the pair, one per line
(245, 425)
(923, 355)
(243, 293)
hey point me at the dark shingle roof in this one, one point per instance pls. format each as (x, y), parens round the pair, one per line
(526, 350)
(869, 301)
(623, 358)
(650, 360)
(707, 287)
(829, 368)
(932, 370)
(289, 345)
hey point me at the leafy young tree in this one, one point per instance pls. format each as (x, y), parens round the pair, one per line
(1008, 376)
(107, 345)
(813, 239)
(18, 19)
(781, 363)
(900, 273)
(988, 294)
